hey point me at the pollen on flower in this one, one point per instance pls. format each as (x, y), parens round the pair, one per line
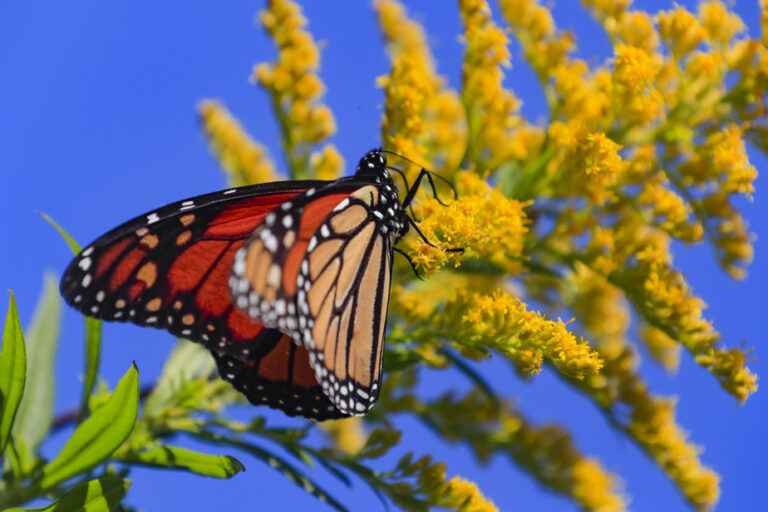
(245, 161)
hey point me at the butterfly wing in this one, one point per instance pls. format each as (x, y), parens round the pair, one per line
(328, 288)
(169, 268)
(280, 377)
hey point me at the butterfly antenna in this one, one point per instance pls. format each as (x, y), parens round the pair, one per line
(429, 175)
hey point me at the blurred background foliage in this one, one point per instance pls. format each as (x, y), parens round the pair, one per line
(571, 217)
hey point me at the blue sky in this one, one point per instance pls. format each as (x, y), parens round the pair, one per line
(98, 125)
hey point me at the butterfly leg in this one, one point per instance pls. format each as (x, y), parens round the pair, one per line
(426, 174)
(410, 262)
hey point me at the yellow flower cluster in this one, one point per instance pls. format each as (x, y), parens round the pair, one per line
(479, 322)
(547, 452)
(680, 31)
(662, 296)
(600, 307)
(245, 161)
(661, 347)
(457, 493)
(296, 89)
(640, 150)
(653, 426)
(545, 49)
(650, 421)
(720, 25)
(491, 110)
(423, 119)
(327, 164)
(347, 434)
(586, 163)
(482, 222)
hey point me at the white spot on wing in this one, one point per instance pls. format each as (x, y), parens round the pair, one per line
(152, 218)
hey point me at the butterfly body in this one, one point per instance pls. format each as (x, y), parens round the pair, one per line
(286, 283)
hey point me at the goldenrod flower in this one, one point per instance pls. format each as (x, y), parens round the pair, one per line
(327, 164)
(347, 434)
(680, 30)
(576, 214)
(460, 494)
(295, 88)
(481, 222)
(720, 25)
(245, 161)
(501, 322)
(547, 451)
(422, 119)
(491, 109)
(608, 8)
(661, 347)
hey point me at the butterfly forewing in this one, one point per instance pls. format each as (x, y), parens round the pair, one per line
(169, 268)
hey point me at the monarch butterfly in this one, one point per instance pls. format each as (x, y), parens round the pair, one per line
(286, 283)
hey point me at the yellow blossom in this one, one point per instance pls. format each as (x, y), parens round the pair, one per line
(669, 211)
(600, 307)
(327, 164)
(421, 115)
(491, 109)
(348, 434)
(661, 347)
(634, 67)
(547, 452)
(481, 222)
(663, 297)
(588, 163)
(720, 25)
(293, 83)
(503, 323)
(545, 49)
(636, 28)
(245, 161)
(608, 8)
(650, 421)
(680, 30)
(460, 494)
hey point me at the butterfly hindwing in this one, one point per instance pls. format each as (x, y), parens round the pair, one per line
(280, 377)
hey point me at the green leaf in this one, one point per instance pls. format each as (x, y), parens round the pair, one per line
(174, 457)
(187, 361)
(96, 438)
(13, 370)
(33, 420)
(100, 495)
(92, 361)
(92, 329)
(73, 245)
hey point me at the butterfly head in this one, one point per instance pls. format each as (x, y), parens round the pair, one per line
(373, 163)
